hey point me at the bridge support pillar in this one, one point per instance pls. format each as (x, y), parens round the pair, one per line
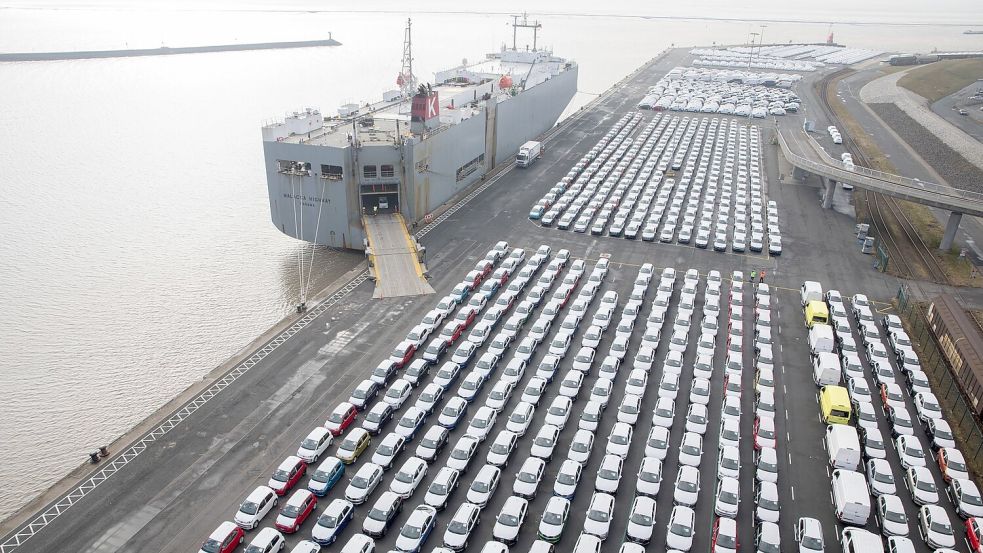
(830, 186)
(951, 226)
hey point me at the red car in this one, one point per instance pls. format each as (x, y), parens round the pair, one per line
(724, 535)
(974, 535)
(484, 267)
(341, 418)
(300, 505)
(466, 316)
(225, 539)
(403, 353)
(452, 332)
(566, 295)
(764, 433)
(473, 280)
(286, 476)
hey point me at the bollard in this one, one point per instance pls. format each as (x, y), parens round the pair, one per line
(94, 457)
(104, 451)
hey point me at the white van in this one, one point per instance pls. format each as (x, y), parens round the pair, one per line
(821, 339)
(858, 540)
(826, 369)
(843, 446)
(851, 497)
(810, 291)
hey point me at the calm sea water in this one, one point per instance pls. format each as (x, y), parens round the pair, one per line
(136, 252)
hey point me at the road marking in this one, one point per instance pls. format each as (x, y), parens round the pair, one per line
(792, 488)
(789, 459)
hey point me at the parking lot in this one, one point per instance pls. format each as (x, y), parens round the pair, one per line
(672, 179)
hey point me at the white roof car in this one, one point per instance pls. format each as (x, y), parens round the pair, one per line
(599, 515)
(696, 418)
(766, 463)
(482, 423)
(727, 497)
(502, 448)
(890, 513)
(484, 485)
(691, 449)
(766, 500)
(641, 520)
(268, 539)
(619, 440)
(581, 446)
(528, 478)
(417, 528)
(383, 512)
(609, 474)
(687, 486)
(545, 441)
(935, 527)
(559, 411)
(567, 479)
(520, 418)
(809, 535)
(679, 534)
(571, 383)
(440, 489)
(509, 521)
(590, 416)
(460, 526)
(649, 477)
(257, 504)
(965, 496)
(664, 412)
(910, 451)
(533, 391)
(554, 519)
(880, 477)
(364, 483)
(729, 462)
(462, 453)
(921, 485)
(408, 477)
(601, 391)
(657, 443)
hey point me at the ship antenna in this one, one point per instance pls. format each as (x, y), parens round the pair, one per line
(535, 26)
(407, 80)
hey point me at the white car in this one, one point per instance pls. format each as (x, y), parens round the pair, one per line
(581, 446)
(880, 477)
(927, 406)
(619, 440)
(729, 462)
(727, 497)
(609, 474)
(591, 339)
(921, 485)
(482, 423)
(545, 441)
(679, 534)
(559, 411)
(696, 419)
(891, 515)
(965, 496)
(637, 382)
(669, 386)
(509, 521)
(527, 480)
(441, 488)
(389, 447)
(590, 416)
(691, 449)
(628, 411)
(429, 397)
(584, 359)
(599, 515)
(533, 391)
(809, 535)
(766, 464)
(255, 507)
(664, 412)
(398, 393)
(910, 451)
(699, 392)
(687, 486)
(462, 453)
(567, 479)
(554, 519)
(657, 443)
(484, 484)
(411, 422)
(641, 520)
(314, 444)
(408, 477)
(502, 448)
(499, 395)
(731, 408)
(453, 412)
(766, 501)
(571, 383)
(649, 480)
(514, 371)
(601, 392)
(521, 418)
(935, 527)
(365, 481)
(460, 526)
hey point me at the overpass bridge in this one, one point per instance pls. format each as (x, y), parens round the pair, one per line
(804, 153)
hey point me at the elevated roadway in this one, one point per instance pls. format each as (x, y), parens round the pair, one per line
(804, 153)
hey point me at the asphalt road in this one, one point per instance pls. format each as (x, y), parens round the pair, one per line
(948, 108)
(172, 495)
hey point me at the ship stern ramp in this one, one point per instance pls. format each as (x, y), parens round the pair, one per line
(394, 257)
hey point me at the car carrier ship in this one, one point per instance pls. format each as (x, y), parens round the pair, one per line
(422, 144)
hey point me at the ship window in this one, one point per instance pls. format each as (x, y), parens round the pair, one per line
(387, 171)
(369, 171)
(332, 172)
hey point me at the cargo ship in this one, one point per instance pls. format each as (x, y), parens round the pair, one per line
(418, 147)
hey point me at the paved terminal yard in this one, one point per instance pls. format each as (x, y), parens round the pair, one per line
(183, 485)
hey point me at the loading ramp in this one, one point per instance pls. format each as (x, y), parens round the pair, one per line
(394, 257)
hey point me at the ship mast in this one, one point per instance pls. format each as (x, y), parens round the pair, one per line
(535, 26)
(407, 80)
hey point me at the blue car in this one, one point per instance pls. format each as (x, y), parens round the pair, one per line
(536, 212)
(417, 529)
(333, 521)
(326, 476)
(460, 293)
(411, 423)
(489, 288)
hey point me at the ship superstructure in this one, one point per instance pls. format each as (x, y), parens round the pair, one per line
(413, 150)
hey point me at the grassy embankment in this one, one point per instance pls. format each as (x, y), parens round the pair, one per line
(940, 79)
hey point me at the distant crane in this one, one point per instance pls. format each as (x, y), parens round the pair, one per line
(407, 80)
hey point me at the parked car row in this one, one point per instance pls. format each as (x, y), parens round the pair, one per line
(619, 188)
(722, 92)
(864, 479)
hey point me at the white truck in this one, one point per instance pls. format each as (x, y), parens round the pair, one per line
(810, 291)
(843, 446)
(821, 339)
(528, 153)
(826, 369)
(851, 497)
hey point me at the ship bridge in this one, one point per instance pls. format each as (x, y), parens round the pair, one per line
(394, 257)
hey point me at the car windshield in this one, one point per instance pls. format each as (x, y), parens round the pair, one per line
(885, 477)
(580, 447)
(518, 418)
(681, 530)
(281, 475)
(609, 474)
(480, 486)
(330, 521)
(599, 516)
(641, 518)
(404, 477)
(461, 454)
(941, 527)
(663, 412)
(686, 486)
(385, 450)
(567, 478)
(290, 510)
(549, 517)
(458, 527)
(730, 462)
(527, 477)
(726, 540)
(925, 485)
(252, 549)
(812, 542)
(620, 439)
(500, 448)
(895, 516)
(652, 477)
(690, 449)
(215, 546)
(728, 497)
(451, 411)
(971, 498)
(914, 452)
(697, 418)
(411, 532)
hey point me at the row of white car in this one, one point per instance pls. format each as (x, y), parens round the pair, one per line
(721, 57)
(618, 187)
(933, 522)
(708, 93)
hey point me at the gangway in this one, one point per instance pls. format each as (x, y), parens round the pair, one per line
(394, 257)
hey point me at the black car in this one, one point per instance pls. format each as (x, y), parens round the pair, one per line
(417, 371)
(381, 515)
(364, 394)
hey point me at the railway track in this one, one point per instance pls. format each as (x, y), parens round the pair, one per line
(910, 255)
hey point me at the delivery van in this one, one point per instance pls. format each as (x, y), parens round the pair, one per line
(851, 497)
(834, 405)
(826, 369)
(528, 153)
(821, 339)
(810, 291)
(843, 446)
(816, 313)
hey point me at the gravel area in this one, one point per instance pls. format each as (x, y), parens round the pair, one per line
(956, 170)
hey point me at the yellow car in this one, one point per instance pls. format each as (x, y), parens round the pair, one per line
(354, 444)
